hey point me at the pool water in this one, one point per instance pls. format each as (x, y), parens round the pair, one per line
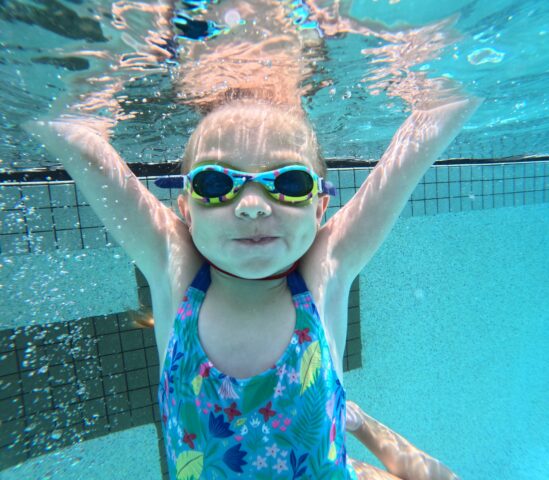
(453, 307)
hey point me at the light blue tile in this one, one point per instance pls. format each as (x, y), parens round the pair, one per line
(476, 172)
(520, 170)
(498, 201)
(498, 172)
(539, 183)
(498, 187)
(11, 197)
(346, 194)
(330, 212)
(13, 222)
(509, 185)
(88, 218)
(333, 176)
(519, 184)
(418, 208)
(16, 244)
(466, 189)
(529, 170)
(487, 188)
(430, 176)
(39, 220)
(455, 189)
(442, 174)
(430, 190)
(443, 190)
(94, 237)
(538, 196)
(69, 240)
(418, 193)
(508, 171)
(454, 174)
(476, 187)
(529, 198)
(476, 202)
(519, 199)
(528, 184)
(487, 172)
(346, 178)
(36, 196)
(466, 204)
(431, 207)
(42, 242)
(65, 218)
(508, 200)
(488, 201)
(361, 174)
(466, 173)
(539, 169)
(443, 205)
(407, 211)
(455, 204)
(63, 194)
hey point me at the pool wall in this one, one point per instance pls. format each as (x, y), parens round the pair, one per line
(73, 365)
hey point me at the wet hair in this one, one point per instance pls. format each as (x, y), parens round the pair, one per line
(259, 109)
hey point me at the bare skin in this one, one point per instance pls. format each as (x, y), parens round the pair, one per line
(170, 249)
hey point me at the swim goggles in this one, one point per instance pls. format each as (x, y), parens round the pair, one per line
(215, 184)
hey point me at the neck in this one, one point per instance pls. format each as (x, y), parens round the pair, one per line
(271, 277)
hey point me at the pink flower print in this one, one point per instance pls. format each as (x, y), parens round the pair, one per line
(279, 390)
(205, 369)
(188, 439)
(293, 376)
(232, 411)
(275, 423)
(260, 462)
(267, 412)
(287, 421)
(333, 431)
(272, 450)
(281, 466)
(303, 335)
(281, 371)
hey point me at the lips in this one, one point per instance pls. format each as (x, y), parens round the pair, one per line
(256, 240)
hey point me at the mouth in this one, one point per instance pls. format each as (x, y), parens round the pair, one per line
(259, 240)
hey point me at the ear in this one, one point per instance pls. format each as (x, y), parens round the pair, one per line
(323, 202)
(184, 209)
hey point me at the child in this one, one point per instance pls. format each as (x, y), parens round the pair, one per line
(251, 367)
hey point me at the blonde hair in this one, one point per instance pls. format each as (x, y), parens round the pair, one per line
(258, 113)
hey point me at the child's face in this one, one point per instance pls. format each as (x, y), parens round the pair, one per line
(253, 143)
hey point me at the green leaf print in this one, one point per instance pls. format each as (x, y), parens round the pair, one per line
(258, 393)
(189, 465)
(309, 366)
(308, 425)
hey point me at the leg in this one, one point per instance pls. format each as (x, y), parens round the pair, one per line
(398, 455)
(364, 471)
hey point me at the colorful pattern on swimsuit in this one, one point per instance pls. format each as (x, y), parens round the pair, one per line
(287, 422)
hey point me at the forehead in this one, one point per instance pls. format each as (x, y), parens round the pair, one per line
(254, 138)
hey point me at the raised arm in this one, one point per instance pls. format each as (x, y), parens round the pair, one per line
(138, 221)
(354, 234)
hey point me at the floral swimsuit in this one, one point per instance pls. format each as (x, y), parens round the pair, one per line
(287, 422)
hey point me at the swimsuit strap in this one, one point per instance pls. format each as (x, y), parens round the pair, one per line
(202, 280)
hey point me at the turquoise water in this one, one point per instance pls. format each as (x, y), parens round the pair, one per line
(499, 54)
(454, 306)
(454, 316)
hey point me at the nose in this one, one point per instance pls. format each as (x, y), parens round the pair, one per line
(251, 203)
